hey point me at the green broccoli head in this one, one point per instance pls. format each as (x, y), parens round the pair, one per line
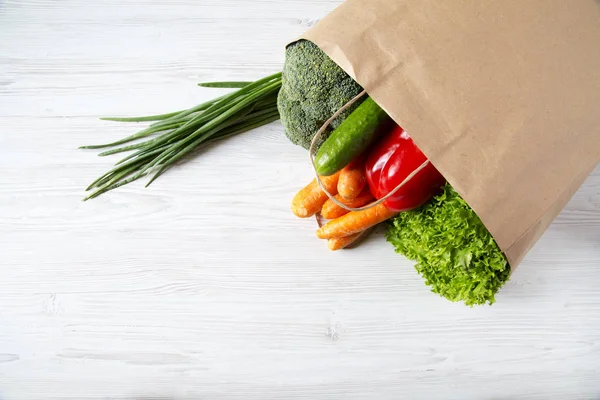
(313, 89)
(454, 251)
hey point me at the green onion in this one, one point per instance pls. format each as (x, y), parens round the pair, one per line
(235, 84)
(177, 134)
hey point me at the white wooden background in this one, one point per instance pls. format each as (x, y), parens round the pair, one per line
(204, 286)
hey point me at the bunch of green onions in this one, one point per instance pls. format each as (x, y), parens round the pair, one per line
(179, 133)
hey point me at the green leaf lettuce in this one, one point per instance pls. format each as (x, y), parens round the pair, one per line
(454, 251)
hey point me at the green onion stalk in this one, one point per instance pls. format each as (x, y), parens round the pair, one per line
(175, 135)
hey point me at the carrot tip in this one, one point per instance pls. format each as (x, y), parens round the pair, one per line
(301, 212)
(332, 245)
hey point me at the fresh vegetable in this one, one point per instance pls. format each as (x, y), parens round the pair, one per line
(343, 242)
(180, 133)
(331, 210)
(352, 179)
(391, 161)
(310, 199)
(354, 135)
(454, 251)
(330, 182)
(355, 221)
(313, 89)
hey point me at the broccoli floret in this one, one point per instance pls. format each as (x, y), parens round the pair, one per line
(313, 88)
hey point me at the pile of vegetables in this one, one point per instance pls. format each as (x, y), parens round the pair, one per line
(369, 170)
(368, 157)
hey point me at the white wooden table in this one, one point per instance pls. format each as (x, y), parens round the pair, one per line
(204, 286)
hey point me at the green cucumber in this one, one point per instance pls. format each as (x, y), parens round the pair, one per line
(351, 138)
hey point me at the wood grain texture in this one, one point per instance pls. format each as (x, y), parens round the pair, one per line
(204, 286)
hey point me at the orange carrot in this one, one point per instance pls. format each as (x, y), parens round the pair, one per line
(310, 199)
(331, 210)
(342, 242)
(352, 179)
(331, 182)
(355, 221)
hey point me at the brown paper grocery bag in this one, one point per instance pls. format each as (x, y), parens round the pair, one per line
(502, 96)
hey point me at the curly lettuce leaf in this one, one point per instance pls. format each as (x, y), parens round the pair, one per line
(454, 251)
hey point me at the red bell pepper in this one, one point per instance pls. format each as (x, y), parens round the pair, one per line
(390, 161)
